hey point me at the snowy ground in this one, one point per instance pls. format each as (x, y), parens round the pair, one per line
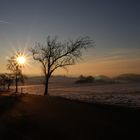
(116, 94)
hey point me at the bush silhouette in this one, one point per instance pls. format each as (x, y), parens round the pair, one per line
(83, 79)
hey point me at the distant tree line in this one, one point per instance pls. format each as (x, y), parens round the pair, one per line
(97, 79)
(85, 79)
(123, 78)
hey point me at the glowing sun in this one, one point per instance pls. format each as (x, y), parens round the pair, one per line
(21, 60)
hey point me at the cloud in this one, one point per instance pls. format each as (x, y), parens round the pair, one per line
(3, 21)
(117, 56)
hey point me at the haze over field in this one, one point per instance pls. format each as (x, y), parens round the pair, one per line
(124, 92)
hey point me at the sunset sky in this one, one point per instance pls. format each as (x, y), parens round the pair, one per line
(113, 24)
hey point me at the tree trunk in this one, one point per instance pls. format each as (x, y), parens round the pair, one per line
(16, 80)
(8, 86)
(46, 86)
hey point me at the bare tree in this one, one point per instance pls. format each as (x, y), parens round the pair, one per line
(3, 81)
(15, 68)
(6, 80)
(9, 80)
(55, 54)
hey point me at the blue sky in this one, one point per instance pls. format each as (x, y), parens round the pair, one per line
(113, 24)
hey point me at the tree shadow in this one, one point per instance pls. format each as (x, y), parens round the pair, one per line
(11, 126)
(8, 102)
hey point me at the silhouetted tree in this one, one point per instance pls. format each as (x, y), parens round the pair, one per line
(9, 80)
(6, 80)
(3, 81)
(55, 54)
(15, 68)
(83, 79)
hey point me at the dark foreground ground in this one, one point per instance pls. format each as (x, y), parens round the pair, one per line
(30, 117)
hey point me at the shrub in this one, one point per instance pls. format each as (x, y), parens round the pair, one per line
(83, 79)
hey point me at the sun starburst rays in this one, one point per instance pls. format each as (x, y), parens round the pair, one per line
(21, 60)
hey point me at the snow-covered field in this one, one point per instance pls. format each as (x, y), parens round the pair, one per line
(116, 94)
